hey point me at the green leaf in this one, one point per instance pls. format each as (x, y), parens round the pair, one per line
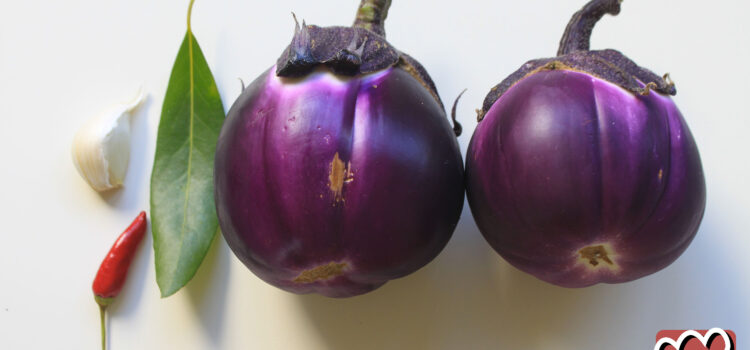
(183, 214)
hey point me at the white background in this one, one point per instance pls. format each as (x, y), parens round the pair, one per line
(63, 62)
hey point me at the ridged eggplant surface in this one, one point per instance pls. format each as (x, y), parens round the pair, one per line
(578, 181)
(334, 184)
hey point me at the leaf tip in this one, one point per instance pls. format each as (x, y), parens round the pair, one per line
(169, 290)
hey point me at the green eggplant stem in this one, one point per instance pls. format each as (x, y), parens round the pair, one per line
(371, 15)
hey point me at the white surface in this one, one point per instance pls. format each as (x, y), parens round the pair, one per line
(62, 62)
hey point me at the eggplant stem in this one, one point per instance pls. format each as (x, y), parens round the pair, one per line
(577, 36)
(371, 15)
(457, 128)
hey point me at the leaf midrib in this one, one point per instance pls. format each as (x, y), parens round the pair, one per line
(191, 93)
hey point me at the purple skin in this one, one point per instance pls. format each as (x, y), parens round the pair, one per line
(577, 181)
(335, 185)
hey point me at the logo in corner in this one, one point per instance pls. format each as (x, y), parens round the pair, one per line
(712, 339)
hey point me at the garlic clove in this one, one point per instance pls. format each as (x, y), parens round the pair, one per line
(101, 148)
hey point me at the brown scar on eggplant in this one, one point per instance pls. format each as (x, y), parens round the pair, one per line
(339, 173)
(320, 273)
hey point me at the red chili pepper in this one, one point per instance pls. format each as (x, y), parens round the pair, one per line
(114, 268)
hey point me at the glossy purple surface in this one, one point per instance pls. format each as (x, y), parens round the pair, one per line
(564, 161)
(277, 202)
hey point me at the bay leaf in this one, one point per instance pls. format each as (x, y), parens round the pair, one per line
(183, 214)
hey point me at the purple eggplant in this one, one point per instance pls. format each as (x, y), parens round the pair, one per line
(337, 169)
(582, 170)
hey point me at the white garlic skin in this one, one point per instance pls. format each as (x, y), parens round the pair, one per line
(101, 148)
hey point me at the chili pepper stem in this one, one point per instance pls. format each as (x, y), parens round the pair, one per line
(102, 312)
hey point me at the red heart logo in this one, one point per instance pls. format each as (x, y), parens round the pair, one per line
(711, 339)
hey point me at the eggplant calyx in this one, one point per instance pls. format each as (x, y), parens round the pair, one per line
(457, 128)
(574, 55)
(350, 51)
(347, 51)
(609, 65)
